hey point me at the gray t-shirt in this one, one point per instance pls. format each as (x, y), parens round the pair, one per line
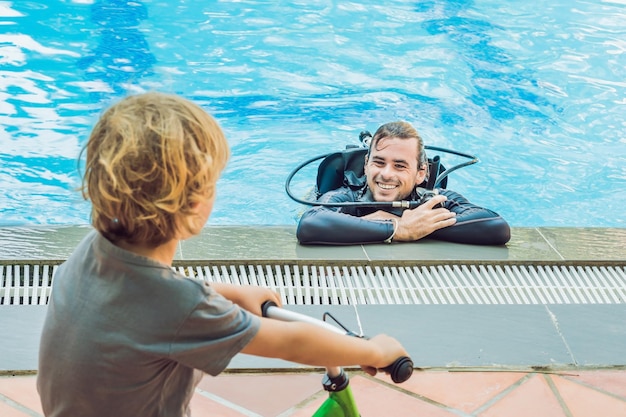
(127, 336)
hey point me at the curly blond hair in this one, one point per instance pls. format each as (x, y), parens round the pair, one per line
(149, 159)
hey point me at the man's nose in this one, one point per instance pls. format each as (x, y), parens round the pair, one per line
(387, 171)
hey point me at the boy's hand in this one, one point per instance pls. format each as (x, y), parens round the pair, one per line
(248, 297)
(252, 298)
(390, 350)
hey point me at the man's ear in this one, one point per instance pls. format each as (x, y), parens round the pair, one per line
(365, 166)
(421, 175)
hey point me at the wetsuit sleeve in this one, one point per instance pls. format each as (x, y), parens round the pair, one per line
(328, 226)
(474, 225)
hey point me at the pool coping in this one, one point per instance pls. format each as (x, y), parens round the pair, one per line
(438, 336)
(279, 244)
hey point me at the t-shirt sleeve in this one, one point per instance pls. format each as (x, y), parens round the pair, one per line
(214, 332)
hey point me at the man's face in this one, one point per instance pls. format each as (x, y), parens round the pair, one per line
(392, 170)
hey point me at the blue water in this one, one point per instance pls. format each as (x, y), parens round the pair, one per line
(537, 90)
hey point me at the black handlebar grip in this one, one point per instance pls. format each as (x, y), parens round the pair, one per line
(266, 305)
(400, 370)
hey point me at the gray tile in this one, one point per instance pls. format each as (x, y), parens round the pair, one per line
(434, 335)
(260, 243)
(331, 253)
(240, 243)
(36, 243)
(451, 336)
(580, 244)
(279, 242)
(468, 336)
(431, 250)
(595, 334)
(20, 327)
(528, 244)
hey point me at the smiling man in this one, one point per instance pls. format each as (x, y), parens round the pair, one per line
(395, 166)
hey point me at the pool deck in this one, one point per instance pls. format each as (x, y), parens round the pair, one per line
(473, 360)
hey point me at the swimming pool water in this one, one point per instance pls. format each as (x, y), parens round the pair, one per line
(536, 90)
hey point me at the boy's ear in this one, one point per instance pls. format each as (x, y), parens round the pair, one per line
(194, 206)
(365, 165)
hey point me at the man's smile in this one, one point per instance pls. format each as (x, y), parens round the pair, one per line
(386, 186)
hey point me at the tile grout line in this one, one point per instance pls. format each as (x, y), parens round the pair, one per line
(495, 399)
(296, 407)
(417, 396)
(555, 323)
(227, 403)
(550, 244)
(558, 396)
(22, 408)
(367, 255)
(593, 387)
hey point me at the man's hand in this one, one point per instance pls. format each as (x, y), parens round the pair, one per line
(423, 220)
(419, 222)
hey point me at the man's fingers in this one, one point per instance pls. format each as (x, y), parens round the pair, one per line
(450, 221)
(438, 199)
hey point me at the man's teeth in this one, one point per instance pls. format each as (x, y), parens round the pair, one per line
(386, 186)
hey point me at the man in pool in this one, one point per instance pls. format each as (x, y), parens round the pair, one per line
(396, 164)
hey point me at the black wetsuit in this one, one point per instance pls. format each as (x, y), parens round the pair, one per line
(344, 225)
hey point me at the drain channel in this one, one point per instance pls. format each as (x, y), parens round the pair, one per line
(25, 284)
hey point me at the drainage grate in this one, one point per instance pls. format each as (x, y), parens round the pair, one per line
(26, 284)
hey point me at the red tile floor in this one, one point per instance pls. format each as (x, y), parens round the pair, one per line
(435, 393)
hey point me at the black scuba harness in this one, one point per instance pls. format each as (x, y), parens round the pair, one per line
(437, 175)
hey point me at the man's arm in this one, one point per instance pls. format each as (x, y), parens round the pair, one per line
(474, 224)
(330, 226)
(323, 226)
(420, 222)
(459, 221)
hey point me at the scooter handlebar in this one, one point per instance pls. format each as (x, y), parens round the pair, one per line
(265, 307)
(400, 370)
